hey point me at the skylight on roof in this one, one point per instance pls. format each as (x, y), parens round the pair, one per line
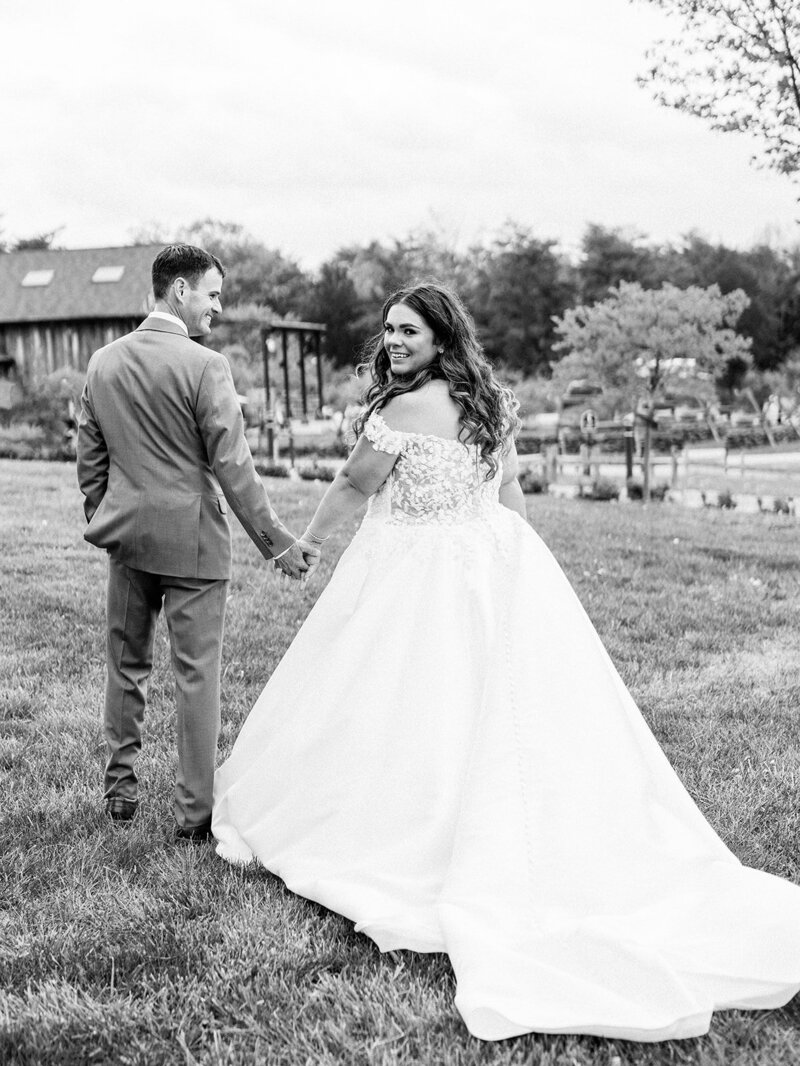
(37, 278)
(106, 274)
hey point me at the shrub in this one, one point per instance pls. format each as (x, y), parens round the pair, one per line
(531, 443)
(335, 449)
(781, 505)
(725, 500)
(531, 482)
(22, 433)
(604, 489)
(268, 468)
(635, 487)
(21, 440)
(316, 472)
(49, 405)
(47, 402)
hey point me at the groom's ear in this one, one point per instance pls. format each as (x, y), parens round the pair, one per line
(179, 287)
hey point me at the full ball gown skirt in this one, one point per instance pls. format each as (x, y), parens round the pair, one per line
(447, 756)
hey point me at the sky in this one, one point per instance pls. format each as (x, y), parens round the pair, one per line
(318, 124)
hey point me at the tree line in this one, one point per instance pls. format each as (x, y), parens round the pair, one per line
(515, 285)
(734, 64)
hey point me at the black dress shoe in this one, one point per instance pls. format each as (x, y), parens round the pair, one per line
(196, 833)
(121, 810)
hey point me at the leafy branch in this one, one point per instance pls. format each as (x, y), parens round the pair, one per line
(736, 65)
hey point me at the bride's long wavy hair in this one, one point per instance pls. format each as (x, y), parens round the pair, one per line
(488, 407)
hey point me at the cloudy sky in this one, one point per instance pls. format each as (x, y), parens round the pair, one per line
(320, 123)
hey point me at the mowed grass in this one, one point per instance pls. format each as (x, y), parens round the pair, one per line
(119, 946)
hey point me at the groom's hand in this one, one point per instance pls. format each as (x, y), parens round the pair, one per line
(292, 562)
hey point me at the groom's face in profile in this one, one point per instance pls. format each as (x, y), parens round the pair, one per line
(200, 303)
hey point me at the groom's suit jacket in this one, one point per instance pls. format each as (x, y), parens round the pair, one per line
(161, 448)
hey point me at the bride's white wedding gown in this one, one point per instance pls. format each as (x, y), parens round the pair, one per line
(447, 756)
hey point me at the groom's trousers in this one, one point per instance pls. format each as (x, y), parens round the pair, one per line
(194, 609)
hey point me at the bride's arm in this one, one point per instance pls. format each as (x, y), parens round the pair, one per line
(510, 491)
(366, 469)
(363, 474)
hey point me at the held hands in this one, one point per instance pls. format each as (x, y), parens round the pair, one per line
(299, 562)
(312, 549)
(311, 554)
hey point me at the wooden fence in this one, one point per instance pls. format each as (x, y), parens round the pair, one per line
(677, 468)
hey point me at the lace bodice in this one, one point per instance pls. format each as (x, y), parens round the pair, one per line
(435, 480)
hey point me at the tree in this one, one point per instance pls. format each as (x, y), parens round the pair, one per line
(152, 232)
(37, 242)
(785, 384)
(521, 282)
(609, 257)
(768, 275)
(255, 274)
(736, 64)
(352, 286)
(639, 342)
(335, 302)
(431, 254)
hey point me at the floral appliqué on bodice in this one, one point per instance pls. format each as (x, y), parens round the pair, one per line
(435, 480)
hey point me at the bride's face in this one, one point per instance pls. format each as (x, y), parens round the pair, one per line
(408, 340)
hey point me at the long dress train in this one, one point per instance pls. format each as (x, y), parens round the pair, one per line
(447, 756)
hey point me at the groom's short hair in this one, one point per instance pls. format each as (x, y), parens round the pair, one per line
(181, 261)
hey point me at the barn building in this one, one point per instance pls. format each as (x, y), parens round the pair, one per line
(59, 306)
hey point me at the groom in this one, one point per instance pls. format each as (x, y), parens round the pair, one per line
(161, 456)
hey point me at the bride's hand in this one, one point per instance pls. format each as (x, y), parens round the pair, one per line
(292, 563)
(311, 555)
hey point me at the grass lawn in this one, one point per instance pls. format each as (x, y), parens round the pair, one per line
(119, 946)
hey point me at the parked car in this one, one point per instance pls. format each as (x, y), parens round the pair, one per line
(580, 395)
(680, 407)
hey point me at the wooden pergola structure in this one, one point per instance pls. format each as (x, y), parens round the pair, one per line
(309, 336)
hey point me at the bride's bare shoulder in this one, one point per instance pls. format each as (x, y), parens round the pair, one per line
(429, 409)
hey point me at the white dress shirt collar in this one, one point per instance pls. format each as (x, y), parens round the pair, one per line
(170, 318)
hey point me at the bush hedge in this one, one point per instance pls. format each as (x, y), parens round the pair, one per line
(316, 472)
(635, 488)
(531, 482)
(21, 440)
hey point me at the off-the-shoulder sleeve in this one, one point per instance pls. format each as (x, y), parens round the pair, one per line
(381, 437)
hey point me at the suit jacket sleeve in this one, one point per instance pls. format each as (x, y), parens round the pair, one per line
(221, 425)
(92, 457)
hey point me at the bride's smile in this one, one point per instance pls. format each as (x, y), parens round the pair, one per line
(408, 339)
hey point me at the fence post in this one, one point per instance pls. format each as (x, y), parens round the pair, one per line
(627, 434)
(586, 458)
(551, 463)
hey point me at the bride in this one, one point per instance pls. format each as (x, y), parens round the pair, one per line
(447, 756)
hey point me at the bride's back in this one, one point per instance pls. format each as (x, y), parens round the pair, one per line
(438, 475)
(429, 410)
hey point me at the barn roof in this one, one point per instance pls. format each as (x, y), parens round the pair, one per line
(48, 285)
